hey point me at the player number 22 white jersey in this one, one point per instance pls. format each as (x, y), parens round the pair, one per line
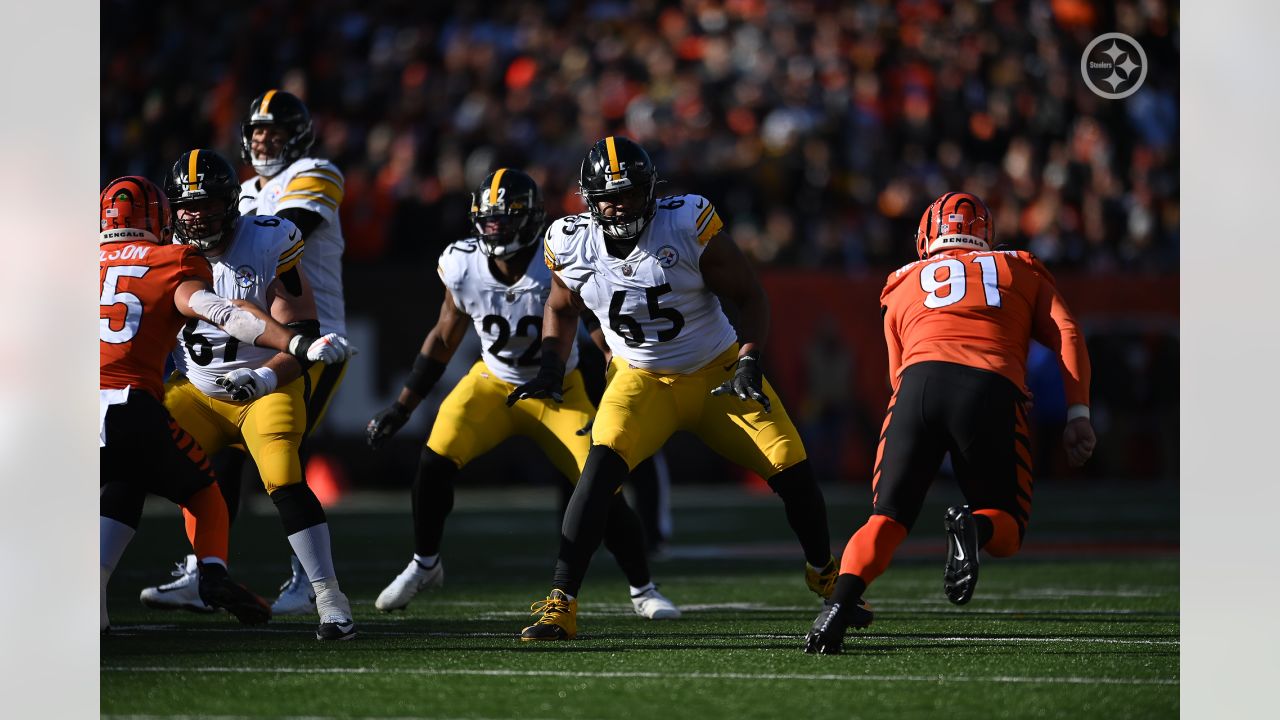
(654, 307)
(508, 318)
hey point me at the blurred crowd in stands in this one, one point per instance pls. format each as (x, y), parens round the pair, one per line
(821, 129)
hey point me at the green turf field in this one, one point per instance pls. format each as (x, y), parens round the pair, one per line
(1083, 624)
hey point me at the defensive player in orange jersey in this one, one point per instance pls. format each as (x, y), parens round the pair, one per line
(958, 323)
(148, 290)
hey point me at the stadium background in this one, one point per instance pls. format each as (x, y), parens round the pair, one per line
(820, 129)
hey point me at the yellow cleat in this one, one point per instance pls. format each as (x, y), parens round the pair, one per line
(559, 619)
(822, 581)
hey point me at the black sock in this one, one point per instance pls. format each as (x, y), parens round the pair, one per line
(587, 515)
(806, 510)
(229, 465)
(644, 481)
(985, 529)
(624, 537)
(849, 589)
(298, 506)
(122, 502)
(432, 500)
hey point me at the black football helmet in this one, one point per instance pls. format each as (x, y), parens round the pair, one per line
(507, 212)
(619, 172)
(277, 108)
(199, 175)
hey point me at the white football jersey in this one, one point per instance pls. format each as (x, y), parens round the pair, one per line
(260, 249)
(508, 318)
(654, 307)
(316, 185)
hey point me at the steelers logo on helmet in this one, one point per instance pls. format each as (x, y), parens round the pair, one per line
(134, 208)
(955, 220)
(507, 213)
(277, 132)
(203, 190)
(617, 180)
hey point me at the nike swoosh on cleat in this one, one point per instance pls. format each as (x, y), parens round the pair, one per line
(959, 552)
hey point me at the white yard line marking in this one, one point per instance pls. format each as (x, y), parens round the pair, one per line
(1047, 680)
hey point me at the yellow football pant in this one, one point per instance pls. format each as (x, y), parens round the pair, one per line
(474, 418)
(270, 427)
(641, 409)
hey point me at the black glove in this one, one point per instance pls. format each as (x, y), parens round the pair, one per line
(549, 382)
(386, 423)
(747, 382)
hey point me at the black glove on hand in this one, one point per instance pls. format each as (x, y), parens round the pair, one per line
(385, 424)
(549, 382)
(747, 382)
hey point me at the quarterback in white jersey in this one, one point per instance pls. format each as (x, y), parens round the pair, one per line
(498, 283)
(276, 137)
(225, 392)
(655, 272)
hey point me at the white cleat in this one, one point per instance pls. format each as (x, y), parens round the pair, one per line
(409, 583)
(296, 595)
(654, 605)
(335, 616)
(181, 594)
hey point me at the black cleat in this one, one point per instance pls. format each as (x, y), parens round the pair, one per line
(961, 574)
(218, 590)
(336, 628)
(826, 635)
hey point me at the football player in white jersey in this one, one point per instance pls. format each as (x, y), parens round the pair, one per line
(225, 392)
(276, 138)
(498, 283)
(655, 273)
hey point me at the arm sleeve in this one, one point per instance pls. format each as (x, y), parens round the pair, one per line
(318, 189)
(707, 223)
(1054, 327)
(292, 254)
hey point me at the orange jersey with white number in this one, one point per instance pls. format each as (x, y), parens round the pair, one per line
(138, 320)
(981, 309)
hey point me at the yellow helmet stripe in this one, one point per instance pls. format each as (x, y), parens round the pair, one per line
(614, 171)
(493, 187)
(266, 100)
(192, 177)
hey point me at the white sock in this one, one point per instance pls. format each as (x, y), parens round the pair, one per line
(113, 538)
(214, 560)
(312, 548)
(642, 589)
(427, 561)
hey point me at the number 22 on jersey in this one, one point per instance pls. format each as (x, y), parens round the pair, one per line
(947, 276)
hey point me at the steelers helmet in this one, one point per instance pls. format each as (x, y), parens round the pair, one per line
(619, 173)
(279, 109)
(197, 176)
(507, 213)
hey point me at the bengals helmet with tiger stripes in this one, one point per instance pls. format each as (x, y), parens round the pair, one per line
(134, 208)
(955, 220)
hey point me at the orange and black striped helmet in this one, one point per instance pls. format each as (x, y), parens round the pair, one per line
(955, 220)
(133, 208)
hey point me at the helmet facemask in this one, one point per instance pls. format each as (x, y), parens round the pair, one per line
(289, 116)
(627, 210)
(507, 214)
(207, 231)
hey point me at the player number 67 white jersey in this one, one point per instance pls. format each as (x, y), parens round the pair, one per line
(261, 248)
(654, 307)
(508, 319)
